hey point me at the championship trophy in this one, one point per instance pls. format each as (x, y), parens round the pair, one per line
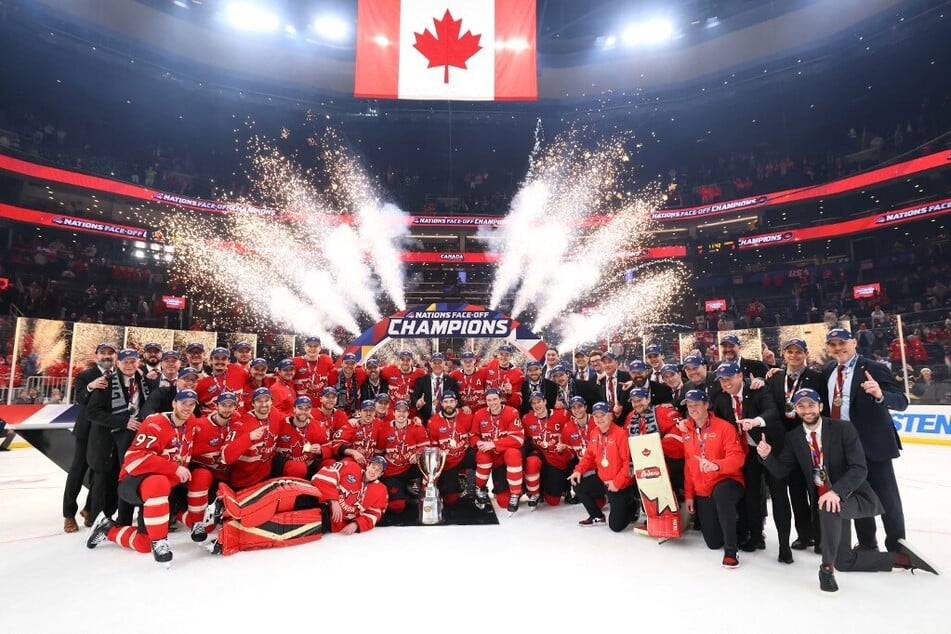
(431, 463)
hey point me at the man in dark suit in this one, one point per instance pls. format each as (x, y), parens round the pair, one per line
(829, 455)
(160, 400)
(782, 384)
(614, 387)
(430, 387)
(582, 370)
(862, 390)
(730, 351)
(568, 387)
(754, 414)
(86, 381)
(536, 382)
(640, 377)
(698, 378)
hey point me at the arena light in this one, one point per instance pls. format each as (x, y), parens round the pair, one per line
(653, 31)
(331, 27)
(247, 16)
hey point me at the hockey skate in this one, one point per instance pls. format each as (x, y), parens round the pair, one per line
(99, 530)
(213, 513)
(162, 553)
(199, 532)
(213, 547)
(481, 498)
(533, 500)
(514, 500)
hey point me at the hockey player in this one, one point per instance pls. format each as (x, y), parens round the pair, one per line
(328, 414)
(357, 440)
(355, 498)
(401, 378)
(500, 438)
(257, 377)
(243, 352)
(211, 433)
(222, 379)
(608, 454)
(400, 442)
(302, 442)
(471, 381)
(312, 373)
(550, 435)
(283, 391)
(505, 377)
(249, 449)
(451, 430)
(155, 465)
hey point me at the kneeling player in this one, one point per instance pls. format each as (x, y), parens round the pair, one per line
(500, 440)
(451, 431)
(155, 466)
(355, 497)
(400, 442)
(552, 439)
(302, 442)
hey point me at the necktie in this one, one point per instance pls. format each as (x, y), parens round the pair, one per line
(737, 407)
(611, 391)
(642, 424)
(837, 394)
(820, 480)
(437, 395)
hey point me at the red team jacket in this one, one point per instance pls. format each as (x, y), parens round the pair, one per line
(209, 439)
(397, 445)
(471, 388)
(283, 396)
(718, 442)
(505, 430)
(292, 440)
(613, 446)
(453, 435)
(250, 460)
(547, 433)
(159, 448)
(362, 502)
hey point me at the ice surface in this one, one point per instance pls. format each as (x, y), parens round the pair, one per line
(534, 572)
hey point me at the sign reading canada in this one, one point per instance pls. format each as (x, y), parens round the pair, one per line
(449, 323)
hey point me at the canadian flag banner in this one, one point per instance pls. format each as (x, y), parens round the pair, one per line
(473, 50)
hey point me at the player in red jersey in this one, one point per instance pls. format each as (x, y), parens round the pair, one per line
(400, 442)
(401, 378)
(381, 408)
(302, 442)
(283, 393)
(357, 439)
(313, 370)
(221, 379)
(550, 435)
(472, 383)
(243, 353)
(328, 414)
(249, 449)
(608, 456)
(348, 379)
(450, 429)
(211, 433)
(155, 465)
(499, 442)
(584, 422)
(257, 377)
(355, 497)
(505, 377)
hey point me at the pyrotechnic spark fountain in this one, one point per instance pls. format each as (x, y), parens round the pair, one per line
(573, 216)
(311, 267)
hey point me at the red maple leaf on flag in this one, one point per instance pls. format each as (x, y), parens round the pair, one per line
(447, 48)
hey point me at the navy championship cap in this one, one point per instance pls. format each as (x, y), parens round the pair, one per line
(669, 367)
(382, 396)
(259, 361)
(838, 333)
(401, 405)
(437, 356)
(368, 404)
(652, 349)
(559, 369)
(227, 396)
(303, 400)
(638, 392)
(329, 391)
(796, 341)
(195, 345)
(806, 393)
(312, 339)
(380, 460)
(600, 406)
(637, 366)
(535, 395)
(733, 339)
(152, 345)
(506, 348)
(170, 354)
(259, 392)
(220, 352)
(188, 371)
(372, 363)
(187, 395)
(243, 345)
(284, 364)
(694, 360)
(348, 356)
(448, 394)
(533, 364)
(728, 369)
(468, 354)
(493, 391)
(103, 345)
(577, 400)
(128, 353)
(696, 396)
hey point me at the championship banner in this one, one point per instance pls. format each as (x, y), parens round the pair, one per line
(72, 223)
(474, 50)
(859, 225)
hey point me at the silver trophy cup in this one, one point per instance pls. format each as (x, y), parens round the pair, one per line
(431, 463)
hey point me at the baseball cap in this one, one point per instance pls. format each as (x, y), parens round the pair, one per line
(219, 351)
(600, 406)
(535, 395)
(372, 363)
(448, 394)
(195, 345)
(730, 339)
(694, 360)
(311, 339)
(506, 348)
(259, 361)
(492, 390)
(368, 404)
(653, 349)
(348, 356)
(637, 366)
(559, 369)
(128, 353)
(105, 344)
(171, 354)
(185, 395)
(152, 346)
(669, 367)
(577, 400)
(243, 345)
(795, 341)
(728, 369)
(580, 352)
(401, 405)
(638, 392)
(695, 396)
(380, 460)
(227, 396)
(533, 364)
(261, 391)
(186, 371)
(610, 355)
(437, 356)
(838, 333)
(383, 396)
(406, 353)
(283, 364)
(302, 400)
(468, 354)
(329, 391)
(806, 393)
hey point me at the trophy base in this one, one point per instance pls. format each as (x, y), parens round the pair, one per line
(430, 511)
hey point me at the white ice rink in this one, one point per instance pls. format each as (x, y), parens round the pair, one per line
(534, 572)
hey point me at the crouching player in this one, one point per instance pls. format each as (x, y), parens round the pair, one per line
(553, 439)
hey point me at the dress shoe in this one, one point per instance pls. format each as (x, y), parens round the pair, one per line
(69, 525)
(785, 555)
(827, 579)
(801, 544)
(907, 558)
(753, 543)
(817, 548)
(87, 518)
(865, 548)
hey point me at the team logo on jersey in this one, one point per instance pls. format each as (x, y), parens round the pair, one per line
(285, 438)
(212, 388)
(443, 429)
(576, 436)
(302, 370)
(214, 442)
(390, 438)
(351, 479)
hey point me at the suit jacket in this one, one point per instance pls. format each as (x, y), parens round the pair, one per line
(752, 367)
(776, 385)
(588, 390)
(660, 393)
(589, 374)
(83, 379)
(844, 462)
(755, 403)
(424, 389)
(548, 388)
(623, 395)
(872, 420)
(105, 427)
(159, 400)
